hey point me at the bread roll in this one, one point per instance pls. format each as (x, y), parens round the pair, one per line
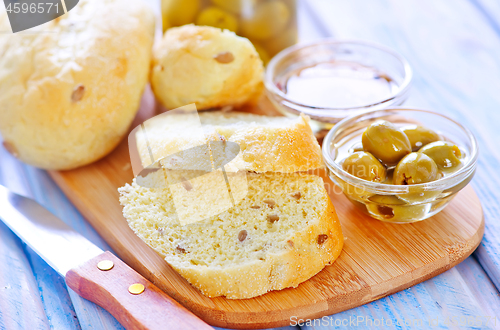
(69, 94)
(207, 66)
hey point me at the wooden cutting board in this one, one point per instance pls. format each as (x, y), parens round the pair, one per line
(378, 258)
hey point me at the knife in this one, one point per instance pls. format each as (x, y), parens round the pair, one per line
(95, 275)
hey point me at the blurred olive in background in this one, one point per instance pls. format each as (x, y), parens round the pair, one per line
(271, 25)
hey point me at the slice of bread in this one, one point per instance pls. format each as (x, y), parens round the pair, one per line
(268, 144)
(282, 233)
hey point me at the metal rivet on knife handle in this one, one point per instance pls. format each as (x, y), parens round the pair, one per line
(136, 288)
(105, 264)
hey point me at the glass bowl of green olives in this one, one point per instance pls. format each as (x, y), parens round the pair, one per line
(400, 165)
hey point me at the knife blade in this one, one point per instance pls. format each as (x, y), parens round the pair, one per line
(114, 287)
(53, 240)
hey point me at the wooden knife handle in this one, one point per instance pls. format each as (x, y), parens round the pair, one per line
(151, 309)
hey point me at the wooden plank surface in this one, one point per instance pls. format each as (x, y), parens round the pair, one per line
(454, 49)
(61, 308)
(20, 304)
(434, 304)
(489, 252)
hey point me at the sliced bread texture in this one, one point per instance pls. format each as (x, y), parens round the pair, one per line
(282, 233)
(268, 144)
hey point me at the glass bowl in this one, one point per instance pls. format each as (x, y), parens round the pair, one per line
(387, 63)
(399, 203)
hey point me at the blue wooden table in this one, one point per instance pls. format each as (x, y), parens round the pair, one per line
(454, 48)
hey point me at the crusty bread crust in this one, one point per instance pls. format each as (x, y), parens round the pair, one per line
(68, 96)
(268, 144)
(288, 269)
(283, 149)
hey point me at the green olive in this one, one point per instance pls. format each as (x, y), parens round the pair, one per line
(263, 53)
(445, 154)
(391, 208)
(419, 136)
(384, 206)
(419, 197)
(234, 6)
(213, 16)
(177, 13)
(415, 168)
(364, 166)
(386, 142)
(285, 39)
(386, 199)
(268, 19)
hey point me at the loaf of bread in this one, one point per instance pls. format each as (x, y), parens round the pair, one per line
(207, 66)
(70, 88)
(267, 144)
(282, 233)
